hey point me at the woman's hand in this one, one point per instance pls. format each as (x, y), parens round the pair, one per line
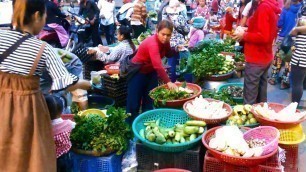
(172, 86)
(102, 48)
(238, 36)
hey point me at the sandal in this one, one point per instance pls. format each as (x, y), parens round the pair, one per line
(284, 85)
(272, 81)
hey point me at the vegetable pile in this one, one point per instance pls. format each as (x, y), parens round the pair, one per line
(95, 133)
(165, 94)
(202, 108)
(288, 114)
(180, 133)
(220, 95)
(242, 116)
(229, 140)
(66, 58)
(234, 91)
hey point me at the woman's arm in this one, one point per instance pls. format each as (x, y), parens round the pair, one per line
(81, 84)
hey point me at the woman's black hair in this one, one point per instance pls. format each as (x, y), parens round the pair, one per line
(55, 106)
(24, 9)
(126, 31)
(165, 24)
(253, 8)
(244, 3)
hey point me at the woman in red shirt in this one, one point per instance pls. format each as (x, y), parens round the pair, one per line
(149, 55)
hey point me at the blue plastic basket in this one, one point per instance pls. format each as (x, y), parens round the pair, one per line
(168, 118)
(85, 163)
(236, 99)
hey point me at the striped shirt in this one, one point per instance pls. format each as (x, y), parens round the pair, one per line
(21, 60)
(299, 55)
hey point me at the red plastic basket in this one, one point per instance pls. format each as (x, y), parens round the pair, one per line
(212, 164)
(278, 124)
(172, 170)
(68, 116)
(179, 103)
(211, 121)
(270, 134)
(292, 157)
(234, 160)
(111, 71)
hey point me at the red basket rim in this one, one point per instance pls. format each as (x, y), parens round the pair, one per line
(205, 135)
(198, 88)
(274, 122)
(209, 119)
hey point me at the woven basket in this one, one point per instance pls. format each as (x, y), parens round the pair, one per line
(278, 124)
(168, 118)
(210, 121)
(92, 153)
(270, 134)
(236, 99)
(235, 160)
(92, 111)
(197, 90)
(292, 136)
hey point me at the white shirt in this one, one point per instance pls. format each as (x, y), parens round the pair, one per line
(247, 9)
(107, 9)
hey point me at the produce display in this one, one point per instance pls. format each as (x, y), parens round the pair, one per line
(229, 140)
(202, 108)
(242, 116)
(66, 58)
(221, 95)
(206, 59)
(96, 133)
(165, 94)
(234, 91)
(180, 133)
(144, 35)
(288, 114)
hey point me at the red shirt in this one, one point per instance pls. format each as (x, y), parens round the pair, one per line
(229, 20)
(260, 34)
(214, 6)
(150, 53)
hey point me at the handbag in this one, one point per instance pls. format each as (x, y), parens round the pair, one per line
(127, 68)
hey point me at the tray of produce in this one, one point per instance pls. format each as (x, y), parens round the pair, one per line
(231, 145)
(221, 95)
(165, 97)
(209, 110)
(234, 89)
(242, 116)
(168, 130)
(278, 115)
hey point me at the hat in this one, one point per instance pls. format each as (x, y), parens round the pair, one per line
(198, 22)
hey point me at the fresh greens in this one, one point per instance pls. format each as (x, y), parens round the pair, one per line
(164, 94)
(93, 132)
(222, 95)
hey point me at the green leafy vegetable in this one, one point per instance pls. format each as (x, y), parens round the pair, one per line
(222, 95)
(164, 94)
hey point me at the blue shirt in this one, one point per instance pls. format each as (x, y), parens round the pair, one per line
(288, 18)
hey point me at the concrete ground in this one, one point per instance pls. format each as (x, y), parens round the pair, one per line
(279, 96)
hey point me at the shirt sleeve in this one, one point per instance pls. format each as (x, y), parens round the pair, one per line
(96, 10)
(157, 63)
(114, 56)
(281, 20)
(61, 78)
(247, 9)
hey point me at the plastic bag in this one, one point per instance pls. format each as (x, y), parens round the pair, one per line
(286, 44)
(129, 161)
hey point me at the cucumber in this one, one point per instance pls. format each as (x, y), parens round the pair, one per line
(196, 123)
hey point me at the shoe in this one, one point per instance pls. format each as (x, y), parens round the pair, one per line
(272, 81)
(284, 85)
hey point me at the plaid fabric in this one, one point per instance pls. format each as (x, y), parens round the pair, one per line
(62, 143)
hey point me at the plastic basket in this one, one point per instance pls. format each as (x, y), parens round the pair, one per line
(172, 170)
(149, 159)
(212, 164)
(168, 118)
(234, 160)
(179, 103)
(85, 163)
(91, 111)
(236, 99)
(292, 157)
(211, 121)
(270, 134)
(100, 102)
(292, 136)
(111, 71)
(278, 124)
(222, 77)
(67, 116)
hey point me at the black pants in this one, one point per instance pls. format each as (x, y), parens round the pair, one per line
(298, 75)
(109, 31)
(95, 37)
(64, 163)
(138, 29)
(255, 83)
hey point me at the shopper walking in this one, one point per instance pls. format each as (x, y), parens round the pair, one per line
(108, 20)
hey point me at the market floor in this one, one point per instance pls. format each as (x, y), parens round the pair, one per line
(284, 97)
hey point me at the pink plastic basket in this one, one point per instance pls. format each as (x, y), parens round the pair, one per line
(270, 134)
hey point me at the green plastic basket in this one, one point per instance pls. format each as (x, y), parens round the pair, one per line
(168, 118)
(238, 100)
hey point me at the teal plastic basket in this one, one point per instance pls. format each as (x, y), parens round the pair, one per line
(238, 100)
(168, 118)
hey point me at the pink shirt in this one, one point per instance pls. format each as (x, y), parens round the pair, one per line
(196, 36)
(202, 11)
